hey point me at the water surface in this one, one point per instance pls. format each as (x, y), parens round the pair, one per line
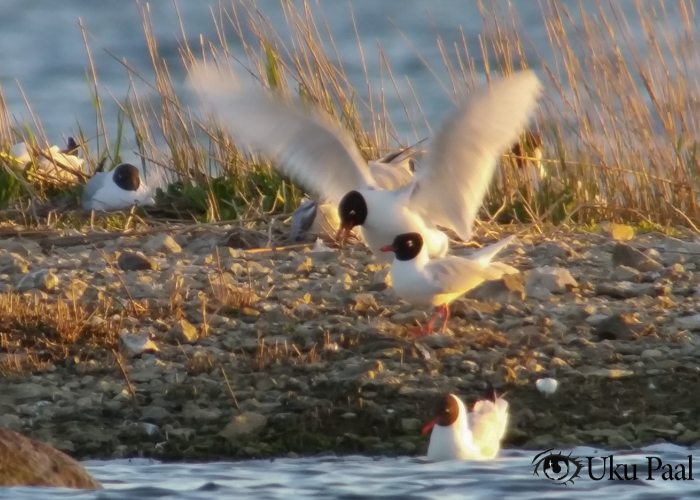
(356, 477)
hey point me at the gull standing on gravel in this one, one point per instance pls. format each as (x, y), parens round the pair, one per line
(322, 156)
(392, 171)
(422, 281)
(457, 435)
(118, 189)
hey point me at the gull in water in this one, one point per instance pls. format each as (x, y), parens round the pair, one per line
(118, 189)
(394, 170)
(457, 435)
(322, 156)
(422, 281)
(51, 160)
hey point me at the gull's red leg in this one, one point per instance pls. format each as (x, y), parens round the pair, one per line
(446, 311)
(428, 329)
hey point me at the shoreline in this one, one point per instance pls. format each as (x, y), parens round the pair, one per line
(215, 352)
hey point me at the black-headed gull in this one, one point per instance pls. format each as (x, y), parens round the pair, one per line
(392, 171)
(51, 160)
(322, 156)
(422, 281)
(457, 435)
(120, 188)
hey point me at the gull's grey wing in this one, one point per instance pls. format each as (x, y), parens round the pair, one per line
(303, 218)
(394, 170)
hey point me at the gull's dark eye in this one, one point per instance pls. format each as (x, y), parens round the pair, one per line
(558, 468)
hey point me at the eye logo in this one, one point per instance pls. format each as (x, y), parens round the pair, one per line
(558, 468)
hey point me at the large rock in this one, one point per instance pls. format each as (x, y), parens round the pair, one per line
(162, 243)
(25, 462)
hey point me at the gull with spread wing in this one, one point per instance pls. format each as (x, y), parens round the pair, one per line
(322, 156)
(391, 171)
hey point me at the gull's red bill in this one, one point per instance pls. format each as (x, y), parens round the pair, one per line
(429, 426)
(387, 248)
(343, 234)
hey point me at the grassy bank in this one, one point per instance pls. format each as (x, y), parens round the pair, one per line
(617, 118)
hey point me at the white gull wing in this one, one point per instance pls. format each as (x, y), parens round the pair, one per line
(454, 275)
(450, 188)
(485, 255)
(307, 146)
(92, 186)
(488, 422)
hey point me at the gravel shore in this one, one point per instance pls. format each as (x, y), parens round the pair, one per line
(177, 346)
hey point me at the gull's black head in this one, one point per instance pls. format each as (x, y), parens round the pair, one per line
(406, 246)
(126, 176)
(71, 147)
(352, 211)
(446, 413)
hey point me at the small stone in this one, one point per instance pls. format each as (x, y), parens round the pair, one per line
(410, 425)
(381, 280)
(510, 288)
(625, 255)
(618, 441)
(184, 332)
(75, 290)
(12, 422)
(652, 353)
(193, 413)
(363, 301)
(689, 322)
(625, 273)
(133, 345)
(626, 290)
(557, 249)
(11, 263)
(23, 248)
(688, 437)
(162, 243)
(552, 279)
(244, 426)
(621, 232)
(135, 261)
(154, 413)
(41, 279)
(621, 326)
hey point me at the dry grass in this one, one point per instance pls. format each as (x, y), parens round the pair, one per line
(37, 333)
(618, 117)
